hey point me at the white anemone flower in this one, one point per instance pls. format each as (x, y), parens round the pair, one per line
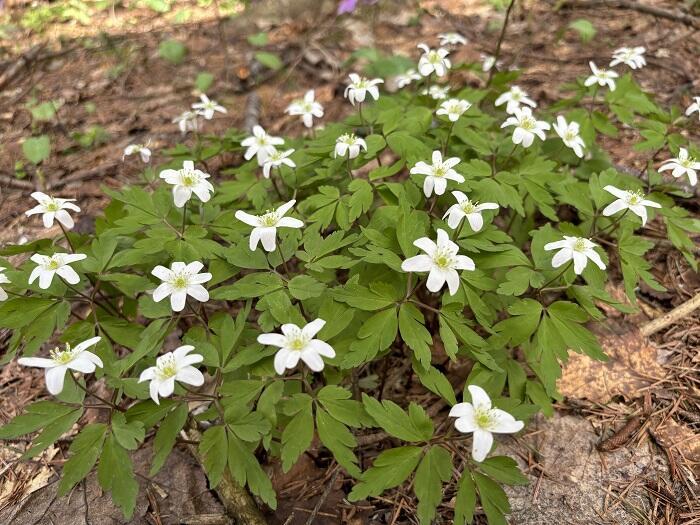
(260, 144)
(483, 420)
(265, 226)
(577, 248)
(513, 99)
(453, 108)
(487, 62)
(143, 151)
(77, 358)
(179, 281)
(694, 107)
(296, 343)
(357, 89)
(452, 39)
(602, 77)
(50, 265)
(437, 92)
(630, 56)
(3, 280)
(433, 61)
(404, 80)
(437, 174)
(171, 367)
(307, 108)
(633, 201)
(466, 208)
(526, 127)
(187, 181)
(684, 164)
(349, 145)
(277, 159)
(206, 107)
(569, 134)
(187, 121)
(441, 260)
(53, 208)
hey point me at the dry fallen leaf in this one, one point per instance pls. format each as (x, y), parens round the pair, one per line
(681, 441)
(632, 365)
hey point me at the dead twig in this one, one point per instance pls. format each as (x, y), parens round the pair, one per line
(21, 63)
(671, 317)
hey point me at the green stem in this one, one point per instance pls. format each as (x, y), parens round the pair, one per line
(497, 54)
(87, 392)
(447, 139)
(557, 276)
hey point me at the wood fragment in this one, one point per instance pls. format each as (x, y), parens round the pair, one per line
(659, 12)
(239, 504)
(206, 519)
(622, 436)
(21, 63)
(671, 317)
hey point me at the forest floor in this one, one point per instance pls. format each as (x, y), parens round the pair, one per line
(623, 446)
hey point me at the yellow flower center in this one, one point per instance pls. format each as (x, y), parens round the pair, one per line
(635, 198)
(434, 58)
(440, 171)
(167, 367)
(443, 258)
(570, 135)
(62, 357)
(687, 162)
(483, 418)
(468, 206)
(528, 123)
(180, 282)
(52, 206)
(580, 245)
(269, 219)
(297, 344)
(53, 265)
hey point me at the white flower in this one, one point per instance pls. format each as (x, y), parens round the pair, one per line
(633, 201)
(483, 420)
(187, 121)
(276, 159)
(298, 343)
(453, 108)
(408, 77)
(437, 92)
(308, 108)
(436, 175)
(433, 60)
(187, 181)
(513, 98)
(180, 281)
(53, 208)
(265, 226)
(487, 62)
(602, 77)
(171, 367)
(683, 165)
(143, 151)
(631, 56)
(260, 144)
(470, 210)
(77, 358)
(3, 280)
(359, 86)
(440, 260)
(695, 106)
(349, 144)
(206, 107)
(569, 134)
(452, 39)
(58, 263)
(526, 127)
(576, 248)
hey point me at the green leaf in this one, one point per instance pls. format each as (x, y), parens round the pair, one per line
(436, 382)
(339, 440)
(465, 501)
(213, 448)
(258, 39)
(584, 28)
(493, 500)
(413, 426)
(128, 435)
(165, 437)
(336, 400)
(435, 469)
(172, 51)
(391, 468)
(37, 149)
(269, 60)
(203, 81)
(503, 469)
(244, 468)
(84, 450)
(253, 285)
(304, 287)
(414, 333)
(297, 435)
(116, 475)
(361, 297)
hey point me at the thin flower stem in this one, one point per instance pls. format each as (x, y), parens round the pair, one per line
(362, 118)
(65, 234)
(87, 392)
(447, 139)
(458, 231)
(352, 177)
(184, 220)
(497, 54)
(284, 263)
(590, 108)
(274, 185)
(510, 155)
(612, 225)
(557, 276)
(426, 306)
